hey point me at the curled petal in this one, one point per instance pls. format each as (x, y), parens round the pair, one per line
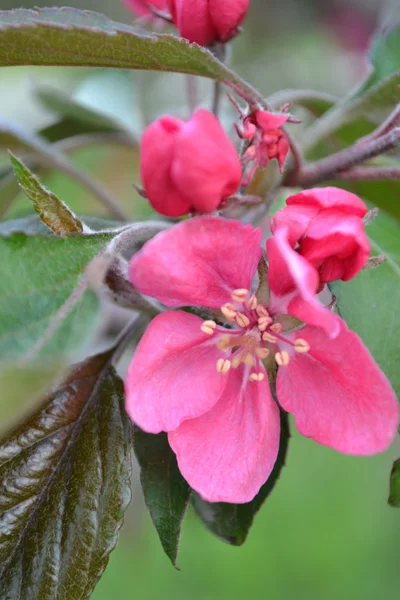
(296, 219)
(172, 376)
(226, 16)
(193, 21)
(291, 275)
(227, 454)
(198, 262)
(338, 395)
(268, 121)
(330, 197)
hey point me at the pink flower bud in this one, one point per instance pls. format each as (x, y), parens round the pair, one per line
(188, 166)
(141, 7)
(208, 21)
(326, 227)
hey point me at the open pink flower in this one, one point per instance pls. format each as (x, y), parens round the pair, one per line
(188, 166)
(208, 21)
(326, 227)
(206, 384)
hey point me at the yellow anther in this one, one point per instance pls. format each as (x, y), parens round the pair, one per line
(261, 311)
(282, 358)
(223, 365)
(263, 323)
(208, 327)
(236, 362)
(228, 313)
(240, 295)
(262, 353)
(242, 320)
(224, 343)
(248, 359)
(253, 302)
(257, 376)
(301, 346)
(268, 337)
(276, 327)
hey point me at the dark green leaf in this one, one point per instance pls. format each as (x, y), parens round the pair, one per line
(231, 522)
(368, 302)
(394, 496)
(66, 36)
(38, 275)
(165, 491)
(65, 483)
(384, 57)
(51, 210)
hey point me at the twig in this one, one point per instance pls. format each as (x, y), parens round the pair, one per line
(369, 173)
(192, 93)
(390, 123)
(135, 326)
(329, 167)
(217, 94)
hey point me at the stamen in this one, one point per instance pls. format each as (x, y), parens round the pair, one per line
(268, 337)
(208, 327)
(263, 323)
(248, 359)
(253, 302)
(242, 320)
(239, 295)
(277, 327)
(224, 343)
(228, 313)
(262, 353)
(236, 362)
(261, 311)
(282, 358)
(257, 376)
(223, 365)
(301, 346)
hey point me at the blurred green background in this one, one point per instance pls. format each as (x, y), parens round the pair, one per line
(326, 532)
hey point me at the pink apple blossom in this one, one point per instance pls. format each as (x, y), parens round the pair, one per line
(326, 227)
(188, 166)
(206, 383)
(208, 21)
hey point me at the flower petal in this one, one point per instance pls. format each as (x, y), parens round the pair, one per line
(338, 395)
(227, 454)
(290, 275)
(330, 197)
(172, 376)
(270, 121)
(198, 262)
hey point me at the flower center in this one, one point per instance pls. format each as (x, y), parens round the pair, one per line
(255, 335)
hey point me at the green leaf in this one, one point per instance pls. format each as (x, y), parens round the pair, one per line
(65, 484)
(165, 491)
(38, 275)
(394, 496)
(368, 302)
(51, 210)
(70, 37)
(231, 522)
(384, 57)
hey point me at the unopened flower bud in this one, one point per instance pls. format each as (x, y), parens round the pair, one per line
(188, 166)
(208, 21)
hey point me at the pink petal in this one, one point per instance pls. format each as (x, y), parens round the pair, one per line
(268, 121)
(198, 262)
(227, 454)
(338, 395)
(290, 274)
(172, 376)
(206, 167)
(283, 149)
(140, 7)
(296, 219)
(156, 154)
(330, 197)
(226, 16)
(193, 20)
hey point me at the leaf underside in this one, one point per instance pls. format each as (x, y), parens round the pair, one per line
(65, 483)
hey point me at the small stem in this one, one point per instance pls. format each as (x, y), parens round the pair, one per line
(369, 173)
(390, 123)
(329, 167)
(135, 326)
(297, 155)
(217, 94)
